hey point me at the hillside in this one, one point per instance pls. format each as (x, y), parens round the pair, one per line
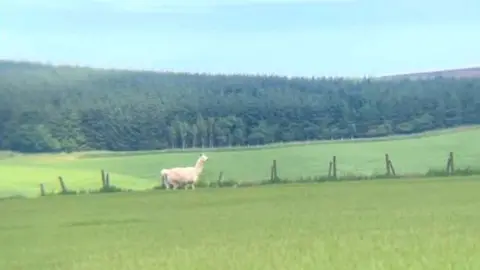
(52, 108)
(473, 72)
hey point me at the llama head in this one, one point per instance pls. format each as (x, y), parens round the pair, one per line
(203, 157)
(201, 160)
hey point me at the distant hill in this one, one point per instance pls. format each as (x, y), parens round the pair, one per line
(45, 108)
(31, 68)
(473, 72)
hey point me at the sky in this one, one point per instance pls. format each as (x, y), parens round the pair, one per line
(352, 38)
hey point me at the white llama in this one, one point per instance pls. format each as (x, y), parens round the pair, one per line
(178, 176)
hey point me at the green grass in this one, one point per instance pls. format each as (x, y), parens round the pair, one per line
(379, 224)
(75, 179)
(22, 174)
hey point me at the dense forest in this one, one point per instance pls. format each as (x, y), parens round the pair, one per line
(49, 108)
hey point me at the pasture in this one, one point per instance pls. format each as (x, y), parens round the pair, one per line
(22, 174)
(378, 224)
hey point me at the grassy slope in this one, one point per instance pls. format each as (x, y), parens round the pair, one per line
(409, 155)
(407, 224)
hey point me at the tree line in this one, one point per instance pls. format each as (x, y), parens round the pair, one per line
(58, 108)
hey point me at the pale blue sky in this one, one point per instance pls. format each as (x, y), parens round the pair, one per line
(305, 38)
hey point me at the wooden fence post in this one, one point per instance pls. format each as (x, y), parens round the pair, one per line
(273, 173)
(330, 164)
(220, 179)
(392, 169)
(107, 179)
(450, 164)
(103, 178)
(334, 167)
(42, 190)
(387, 165)
(447, 168)
(62, 184)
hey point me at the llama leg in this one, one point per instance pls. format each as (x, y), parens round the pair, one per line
(165, 183)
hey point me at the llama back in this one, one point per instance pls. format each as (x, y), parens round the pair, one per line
(181, 174)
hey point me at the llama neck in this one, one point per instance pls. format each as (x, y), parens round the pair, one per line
(199, 166)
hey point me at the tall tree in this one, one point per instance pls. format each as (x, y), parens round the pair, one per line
(202, 129)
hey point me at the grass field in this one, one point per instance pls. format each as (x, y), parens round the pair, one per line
(379, 224)
(22, 174)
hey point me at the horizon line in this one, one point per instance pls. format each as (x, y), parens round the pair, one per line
(255, 74)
